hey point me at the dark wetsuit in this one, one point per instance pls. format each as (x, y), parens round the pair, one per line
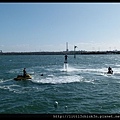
(65, 59)
(110, 70)
(24, 73)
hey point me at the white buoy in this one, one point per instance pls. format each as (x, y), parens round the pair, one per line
(56, 104)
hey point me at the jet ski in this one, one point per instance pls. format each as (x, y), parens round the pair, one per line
(110, 72)
(21, 77)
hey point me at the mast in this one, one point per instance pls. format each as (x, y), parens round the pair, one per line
(66, 46)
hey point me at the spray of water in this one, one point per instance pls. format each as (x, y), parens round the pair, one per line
(65, 67)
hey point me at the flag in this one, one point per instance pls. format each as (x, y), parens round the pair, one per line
(75, 46)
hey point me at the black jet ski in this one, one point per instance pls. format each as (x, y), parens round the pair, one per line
(110, 72)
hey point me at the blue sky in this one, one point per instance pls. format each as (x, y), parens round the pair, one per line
(48, 26)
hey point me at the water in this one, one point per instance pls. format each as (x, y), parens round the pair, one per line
(84, 88)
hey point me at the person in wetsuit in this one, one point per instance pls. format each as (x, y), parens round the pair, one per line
(110, 70)
(24, 72)
(66, 58)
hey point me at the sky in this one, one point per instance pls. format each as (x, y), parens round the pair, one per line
(35, 27)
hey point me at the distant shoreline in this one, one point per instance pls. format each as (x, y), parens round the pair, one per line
(61, 53)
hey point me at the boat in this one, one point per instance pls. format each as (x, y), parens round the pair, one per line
(21, 77)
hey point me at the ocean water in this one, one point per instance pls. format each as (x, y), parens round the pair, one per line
(84, 88)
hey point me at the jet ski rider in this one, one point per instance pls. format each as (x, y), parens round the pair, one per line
(24, 72)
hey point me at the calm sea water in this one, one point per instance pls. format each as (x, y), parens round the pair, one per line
(84, 88)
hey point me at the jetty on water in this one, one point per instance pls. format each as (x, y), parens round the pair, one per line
(61, 53)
